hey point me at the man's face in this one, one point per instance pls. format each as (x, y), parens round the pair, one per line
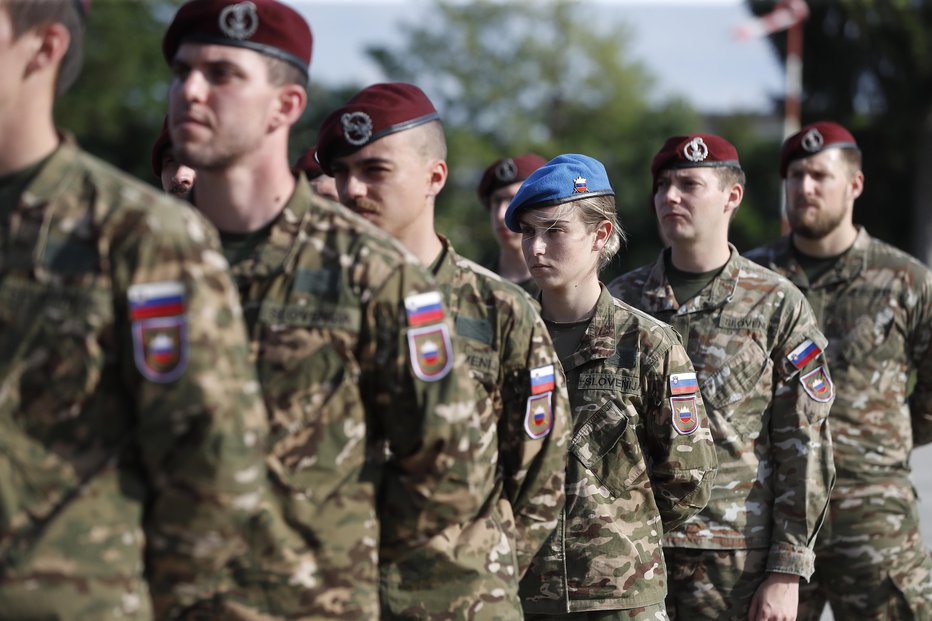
(177, 179)
(498, 204)
(220, 104)
(820, 193)
(691, 205)
(15, 55)
(389, 182)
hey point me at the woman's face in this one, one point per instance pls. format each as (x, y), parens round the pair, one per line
(560, 251)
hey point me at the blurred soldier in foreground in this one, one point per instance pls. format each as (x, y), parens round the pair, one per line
(760, 367)
(499, 184)
(132, 436)
(874, 304)
(387, 150)
(177, 179)
(351, 339)
(641, 459)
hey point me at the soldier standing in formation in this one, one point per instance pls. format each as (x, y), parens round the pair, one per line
(760, 367)
(497, 187)
(641, 459)
(350, 337)
(387, 150)
(874, 304)
(176, 179)
(132, 434)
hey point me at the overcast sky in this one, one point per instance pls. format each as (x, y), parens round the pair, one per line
(688, 45)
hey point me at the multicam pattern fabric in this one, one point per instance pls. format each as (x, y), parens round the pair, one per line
(631, 475)
(364, 455)
(875, 307)
(772, 438)
(471, 570)
(120, 488)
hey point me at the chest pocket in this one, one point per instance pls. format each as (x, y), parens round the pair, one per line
(866, 335)
(607, 445)
(746, 376)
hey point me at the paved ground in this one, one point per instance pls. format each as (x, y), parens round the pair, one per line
(922, 477)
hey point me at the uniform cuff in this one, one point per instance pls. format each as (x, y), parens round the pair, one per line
(789, 559)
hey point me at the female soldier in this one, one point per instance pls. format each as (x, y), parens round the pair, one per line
(641, 458)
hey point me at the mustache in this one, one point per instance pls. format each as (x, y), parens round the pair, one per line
(364, 204)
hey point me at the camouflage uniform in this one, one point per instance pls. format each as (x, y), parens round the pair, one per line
(132, 436)
(767, 415)
(325, 300)
(503, 339)
(875, 306)
(631, 475)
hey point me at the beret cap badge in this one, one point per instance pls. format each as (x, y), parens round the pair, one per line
(239, 21)
(506, 171)
(696, 150)
(579, 185)
(812, 140)
(357, 128)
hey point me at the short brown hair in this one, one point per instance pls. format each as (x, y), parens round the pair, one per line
(594, 210)
(28, 14)
(282, 72)
(729, 175)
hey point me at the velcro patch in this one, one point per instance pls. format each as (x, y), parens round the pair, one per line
(538, 420)
(431, 352)
(683, 384)
(685, 414)
(542, 379)
(159, 330)
(806, 351)
(818, 385)
(423, 308)
(156, 299)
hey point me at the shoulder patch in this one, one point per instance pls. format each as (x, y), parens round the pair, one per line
(424, 308)
(159, 330)
(683, 384)
(685, 414)
(542, 379)
(818, 385)
(806, 351)
(431, 352)
(538, 419)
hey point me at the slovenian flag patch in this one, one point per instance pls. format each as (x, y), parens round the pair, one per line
(160, 299)
(542, 379)
(806, 351)
(683, 384)
(424, 308)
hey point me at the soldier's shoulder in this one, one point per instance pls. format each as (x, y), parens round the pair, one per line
(655, 332)
(495, 289)
(630, 281)
(764, 254)
(754, 276)
(885, 256)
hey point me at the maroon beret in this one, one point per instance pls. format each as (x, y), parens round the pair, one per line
(164, 141)
(812, 139)
(374, 112)
(308, 164)
(695, 151)
(266, 26)
(507, 171)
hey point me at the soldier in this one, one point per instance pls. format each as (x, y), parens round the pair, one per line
(874, 304)
(387, 150)
(641, 458)
(323, 184)
(760, 367)
(177, 179)
(131, 432)
(499, 184)
(351, 339)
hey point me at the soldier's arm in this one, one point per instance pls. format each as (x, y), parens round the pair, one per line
(800, 441)
(535, 433)
(920, 353)
(201, 426)
(682, 454)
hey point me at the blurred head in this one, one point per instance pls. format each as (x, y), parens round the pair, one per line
(320, 182)
(176, 179)
(821, 164)
(499, 184)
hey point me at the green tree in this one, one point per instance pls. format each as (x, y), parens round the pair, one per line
(867, 65)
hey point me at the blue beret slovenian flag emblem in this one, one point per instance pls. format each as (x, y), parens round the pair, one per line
(579, 185)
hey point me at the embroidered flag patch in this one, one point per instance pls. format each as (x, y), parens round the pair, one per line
(818, 385)
(538, 420)
(431, 352)
(159, 330)
(685, 414)
(683, 384)
(424, 308)
(542, 379)
(806, 351)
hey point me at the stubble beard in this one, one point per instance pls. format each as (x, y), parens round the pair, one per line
(814, 224)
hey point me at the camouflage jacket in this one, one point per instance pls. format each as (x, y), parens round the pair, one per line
(355, 360)
(633, 472)
(521, 399)
(875, 308)
(758, 355)
(132, 435)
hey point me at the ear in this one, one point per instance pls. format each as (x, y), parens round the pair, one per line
(857, 184)
(438, 177)
(51, 43)
(289, 106)
(603, 231)
(735, 194)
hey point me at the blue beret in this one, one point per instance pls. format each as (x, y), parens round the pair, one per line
(565, 178)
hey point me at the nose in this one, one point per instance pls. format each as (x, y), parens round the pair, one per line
(536, 246)
(188, 88)
(349, 187)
